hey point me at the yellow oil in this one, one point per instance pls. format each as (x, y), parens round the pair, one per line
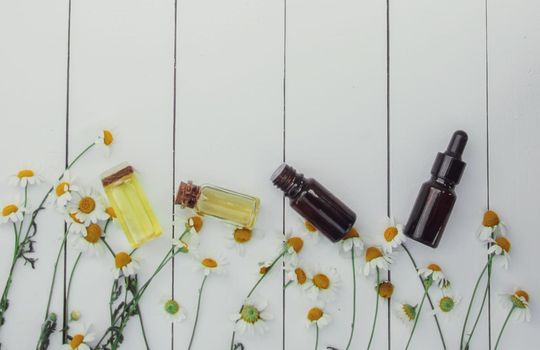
(235, 208)
(133, 210)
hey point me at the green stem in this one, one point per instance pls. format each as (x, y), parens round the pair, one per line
(108, 247)
(197, 312)
(416, 318)
(7, 287)
(504, 326)
(55, 269)
(72, 273)
(428, 296)
(354, 300)
(316, 336)
(376, 310)
(142, 328)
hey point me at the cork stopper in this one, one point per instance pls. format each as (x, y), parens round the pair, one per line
(187, 194)
(115, 174)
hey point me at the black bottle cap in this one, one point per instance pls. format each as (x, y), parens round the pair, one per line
(448, 165)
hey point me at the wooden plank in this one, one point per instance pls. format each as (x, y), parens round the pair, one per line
(336, 133)
(32, 110)
(121, 79)
(229, 129)
(514, 88)
(437, 86)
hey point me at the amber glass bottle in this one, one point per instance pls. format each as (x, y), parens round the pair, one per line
(315, 203)
(436, 198)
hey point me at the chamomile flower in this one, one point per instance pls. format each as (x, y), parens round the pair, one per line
(405, 312)
(12, 212)
(252, 317)
(434, 273)
(172, 310)
(393, 236)
(500, 247)
(105, 140)
(61, 193)
(308, 230)
(240, 237)
(25, 177)
(90, 242)
(296, 274)
(294, 243)
(323, 284)
(87, 205)
(125, 264)
(375, 258)
(74, 315)
(74, 225)
(386, 289)
(317, 315)
(264, 267)
(519, 302)
(491, 225)
(191, 223)
(209, 263)
(80, 337)
(110, 212)
(351, 241)
(445, 306)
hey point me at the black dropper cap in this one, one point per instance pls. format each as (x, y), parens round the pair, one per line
(448, 165)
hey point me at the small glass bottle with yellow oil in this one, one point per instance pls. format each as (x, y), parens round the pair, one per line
(130, 204)
(235, 208)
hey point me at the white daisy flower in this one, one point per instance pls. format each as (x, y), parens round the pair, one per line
(500, 247)
(110, 213)
(74, 225)
(12, 212)
(294, 243)
(307, 229)
(80, 337)
(172, 310)
(264, 267)
(519, 301)
(436, 274)
(105, 140)
(323, 284)
(386, 289)
(253, 316)
(90, 242)
(125, 265)
(491, 225)
(352, 241)
(240, 237)
(393, 236)
(209, 263)
(62, 190)
(375, 258)
(405, 312)
(297, 274)
(25, 177)
(87, 206)
(445, 307)
(187, 219)
(317, 315)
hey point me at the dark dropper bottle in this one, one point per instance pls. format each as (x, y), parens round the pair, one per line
(315, 203)
(437, 197)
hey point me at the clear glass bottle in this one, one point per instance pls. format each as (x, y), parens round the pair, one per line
(130, 204)
(235, 208)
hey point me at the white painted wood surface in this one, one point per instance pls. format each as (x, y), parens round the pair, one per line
(360, 95)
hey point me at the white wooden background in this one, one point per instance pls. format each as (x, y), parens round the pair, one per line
(359, 94)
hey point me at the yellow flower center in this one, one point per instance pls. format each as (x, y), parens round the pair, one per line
(76, 341)
(73, 217)
(93, 233)
(209, 262)
(351, 234)
(61, 188)
(504, 243)
(315, 314)
(386, 289)
(434, 268)
(110, 211)
(373, 253)
(301, 277)
(390, 233)
(25, 173)
(87, 205)
(523, 294)
(242, 235)
(490, 219)
(309, 226)
(122, 259)
(263, 270)
(296, 243)
(9, 209)
(321, 281)
(196, 222)
(107, 137)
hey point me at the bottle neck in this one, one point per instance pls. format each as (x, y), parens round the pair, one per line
(289, 181)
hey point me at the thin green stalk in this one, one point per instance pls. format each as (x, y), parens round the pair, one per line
(416, 318)
(354, 301)
(428, 296)
(108, 247)
(9, 281)
(376, 310)
(55, 269)
(316, 336)
(72, 273)
(197, 312)
(142, 328)
(504, 326)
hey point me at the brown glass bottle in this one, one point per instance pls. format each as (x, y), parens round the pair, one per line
(315, 203)
(436, 198)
